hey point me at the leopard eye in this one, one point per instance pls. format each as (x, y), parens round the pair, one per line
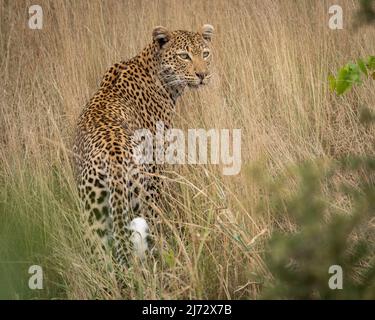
(206, 54)
(184, 56)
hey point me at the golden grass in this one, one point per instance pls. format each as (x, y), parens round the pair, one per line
(272, 59)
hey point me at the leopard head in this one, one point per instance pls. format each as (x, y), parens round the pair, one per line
(184, 57)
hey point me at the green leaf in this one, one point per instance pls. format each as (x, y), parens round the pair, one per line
(354, 73)
(343, 82)
(371, 62)
(332, 82)
(350, 74)
(362, 66)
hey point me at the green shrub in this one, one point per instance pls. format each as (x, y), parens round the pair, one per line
(299, 261)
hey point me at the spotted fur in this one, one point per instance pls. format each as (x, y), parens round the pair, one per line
(133, 94)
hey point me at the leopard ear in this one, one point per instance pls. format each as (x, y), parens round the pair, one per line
(207, 32)
(161, 35)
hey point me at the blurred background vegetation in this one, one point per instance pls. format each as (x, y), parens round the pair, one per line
(304, 199)
(324, 237)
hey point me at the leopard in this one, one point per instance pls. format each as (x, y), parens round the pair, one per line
(119, 194)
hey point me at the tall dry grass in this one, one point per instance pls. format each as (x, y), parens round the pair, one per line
(271, 61)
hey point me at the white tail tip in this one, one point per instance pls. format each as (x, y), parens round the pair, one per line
(139, 236)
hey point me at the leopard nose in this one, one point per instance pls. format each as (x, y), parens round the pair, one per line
(201, 75)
